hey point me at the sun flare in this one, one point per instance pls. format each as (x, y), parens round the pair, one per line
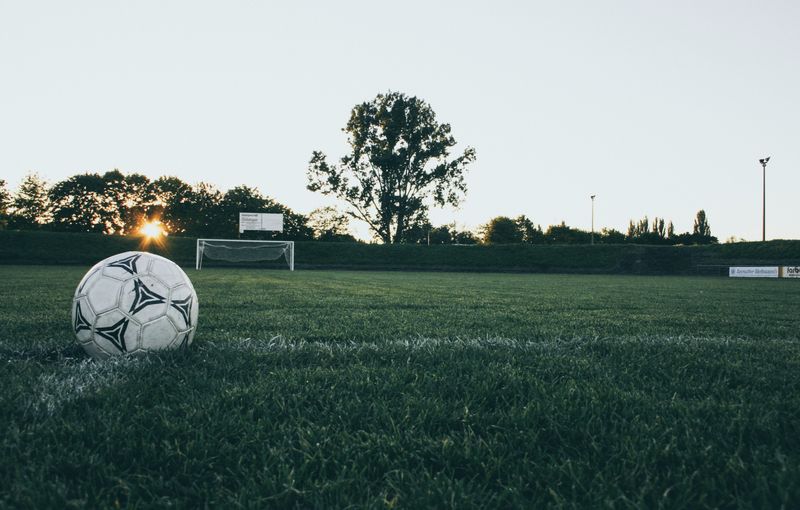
(152, 230)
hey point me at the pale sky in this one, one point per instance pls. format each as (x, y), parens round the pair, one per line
(660, 108)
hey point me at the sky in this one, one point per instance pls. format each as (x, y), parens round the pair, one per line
(658, 108)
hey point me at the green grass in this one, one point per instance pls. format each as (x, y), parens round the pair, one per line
(412, 390)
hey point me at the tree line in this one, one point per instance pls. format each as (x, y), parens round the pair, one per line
(115, 203)
(504, 230)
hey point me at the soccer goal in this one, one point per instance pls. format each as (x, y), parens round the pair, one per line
(237, 250)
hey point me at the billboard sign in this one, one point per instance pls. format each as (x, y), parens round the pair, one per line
(260, 221)
(753, 272)
(790, 271)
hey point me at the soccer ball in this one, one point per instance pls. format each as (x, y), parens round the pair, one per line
(134, 302)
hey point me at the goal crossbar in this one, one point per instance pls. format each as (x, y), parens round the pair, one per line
(243, 250)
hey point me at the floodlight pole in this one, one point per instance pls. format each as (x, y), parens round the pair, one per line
(592, 197)
(764, 162)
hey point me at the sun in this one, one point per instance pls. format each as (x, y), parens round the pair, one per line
(152, 229)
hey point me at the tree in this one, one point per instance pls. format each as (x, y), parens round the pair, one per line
(202, 209)
(441, 235)
(330, 224)
(501, 230)
(530, 233)
(464, 237)
(31, 205)
(173, 204)
(128, 201)
(78, 205)
(646, 232)
(611, 236)
(5, 203)
(701, 232)
(564, 234)
(399, 161)
(659, 228)
(701, 226)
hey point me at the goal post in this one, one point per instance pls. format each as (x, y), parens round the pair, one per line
(241, 250)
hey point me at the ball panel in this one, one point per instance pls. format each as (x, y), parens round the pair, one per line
(194, 313)
(183, 339)
(81, 289)
(116, 333)
(182, 301)
(167, 271)
(103, 293)
(125, 265)
(82, 320)
(144, 298)
(94, 350)
(159, 334)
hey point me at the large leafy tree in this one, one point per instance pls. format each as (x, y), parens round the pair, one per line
(31, 204)
(79, 204)
(399, 161)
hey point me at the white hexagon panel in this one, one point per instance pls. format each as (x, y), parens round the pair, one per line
(134, 302)
(166, 271)
(159, 334)
(103, 292)
(82, 286)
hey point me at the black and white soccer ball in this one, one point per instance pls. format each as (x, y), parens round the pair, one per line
(134, 302)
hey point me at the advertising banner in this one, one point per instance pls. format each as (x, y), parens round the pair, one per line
(754, 272)
(260, 221)
(790, 271)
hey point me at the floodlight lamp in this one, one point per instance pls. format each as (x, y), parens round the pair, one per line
(764, 161)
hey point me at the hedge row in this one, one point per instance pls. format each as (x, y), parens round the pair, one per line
(23, 247)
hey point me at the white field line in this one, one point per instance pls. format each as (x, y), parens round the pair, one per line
(76, 380)
(279, 343)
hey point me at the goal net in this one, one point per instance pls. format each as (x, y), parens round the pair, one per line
(240, 251)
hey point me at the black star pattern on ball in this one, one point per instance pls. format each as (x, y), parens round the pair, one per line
(81, 324)
(184, 307)
(128, 263)
(115, 334)
(144, 297)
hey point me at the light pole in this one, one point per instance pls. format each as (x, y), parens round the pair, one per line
(764, 162)
(592, 197)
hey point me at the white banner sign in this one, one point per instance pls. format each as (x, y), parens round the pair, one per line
(790, 271)
(753, 272)
(260, 221)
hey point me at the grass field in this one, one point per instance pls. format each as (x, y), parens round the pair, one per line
(411, 390)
